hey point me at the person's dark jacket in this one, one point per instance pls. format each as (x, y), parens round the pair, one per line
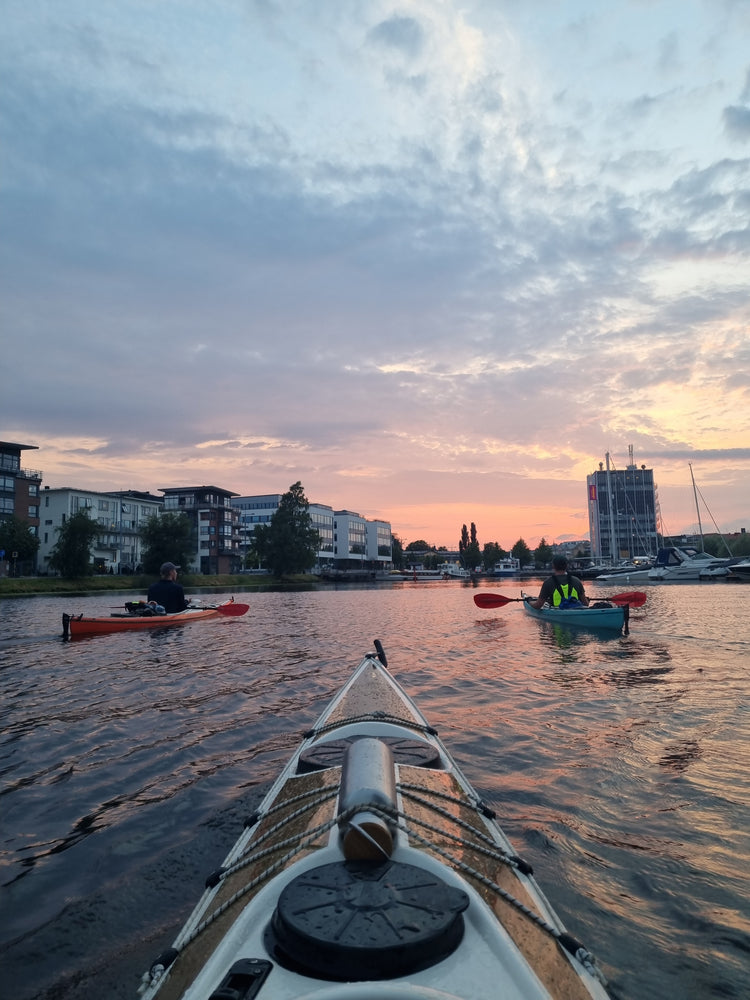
(169, 594)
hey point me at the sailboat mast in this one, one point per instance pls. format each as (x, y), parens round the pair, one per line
(697, 507)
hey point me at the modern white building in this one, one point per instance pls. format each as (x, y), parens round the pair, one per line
(119, 515)
(347, 540)
(255, 510)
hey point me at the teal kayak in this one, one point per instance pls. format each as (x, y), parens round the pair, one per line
(612, 617)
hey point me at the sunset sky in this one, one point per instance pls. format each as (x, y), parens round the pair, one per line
(433, 259)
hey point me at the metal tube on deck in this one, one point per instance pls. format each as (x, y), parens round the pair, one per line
(368, 778)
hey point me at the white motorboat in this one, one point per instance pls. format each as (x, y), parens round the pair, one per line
(454, 571)
(631, 572)
(507, 567)
(741, 570)
(674, 565)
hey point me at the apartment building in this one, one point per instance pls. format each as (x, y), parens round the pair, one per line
(347, 540)
(120, 515)
(19, 496)
(216, 526)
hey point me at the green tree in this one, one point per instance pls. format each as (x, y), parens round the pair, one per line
(419, 546)
(469, 553)
(167, 538)
(257, 552)
(543, 553)
(293, 542)
(71, 555)
(491, 555)
(15, 536)
(397, 551)
(522, 552)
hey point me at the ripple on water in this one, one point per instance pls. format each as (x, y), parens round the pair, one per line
(618, 766)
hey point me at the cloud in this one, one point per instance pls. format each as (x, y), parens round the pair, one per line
(737, 122)
(387, 246)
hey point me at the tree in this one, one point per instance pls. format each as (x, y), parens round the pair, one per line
(15, 536)
(543, 553)
(419, 546)
(293, 542)
(71, 554)
(167, 538)
(468, 548)
(521, 552)
(491, 555)
(397, 551)
(257, 551)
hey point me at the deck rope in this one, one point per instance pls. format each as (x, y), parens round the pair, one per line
(298, 843)
(372, 717)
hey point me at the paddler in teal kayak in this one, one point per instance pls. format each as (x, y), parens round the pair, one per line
(562, 589)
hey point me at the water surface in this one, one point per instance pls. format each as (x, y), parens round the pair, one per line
(619, 766)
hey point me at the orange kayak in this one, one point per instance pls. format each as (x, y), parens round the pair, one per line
(122, 621)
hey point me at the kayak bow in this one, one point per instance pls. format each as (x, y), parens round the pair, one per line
(372, 870)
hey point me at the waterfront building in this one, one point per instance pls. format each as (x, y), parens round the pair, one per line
(260, 509)
(120, 515)
(623, 509)
(19, 496)
(348, 541)
(216, 526)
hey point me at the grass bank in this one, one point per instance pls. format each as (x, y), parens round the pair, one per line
(33, 586)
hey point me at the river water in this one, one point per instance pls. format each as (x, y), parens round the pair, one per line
(618, 765)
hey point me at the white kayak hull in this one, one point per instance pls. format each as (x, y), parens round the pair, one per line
(372, 871)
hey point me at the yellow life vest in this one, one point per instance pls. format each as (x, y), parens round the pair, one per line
(564, 590)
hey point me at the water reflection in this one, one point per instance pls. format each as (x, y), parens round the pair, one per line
(619, 766)
(679, 756)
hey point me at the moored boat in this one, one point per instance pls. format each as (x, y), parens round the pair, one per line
(372, 870)
(454, 571)
(132, 621)
(611, 617)
(674, 565)
(510, 566)
(740, 570)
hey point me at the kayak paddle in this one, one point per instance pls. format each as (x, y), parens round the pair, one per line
(493, 600)
(234, 610)
(635, 598)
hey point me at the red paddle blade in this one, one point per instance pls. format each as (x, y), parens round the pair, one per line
(493, 600)
(635, 598)
(233, 610)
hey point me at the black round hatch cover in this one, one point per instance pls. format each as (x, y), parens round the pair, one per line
(357, 920)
